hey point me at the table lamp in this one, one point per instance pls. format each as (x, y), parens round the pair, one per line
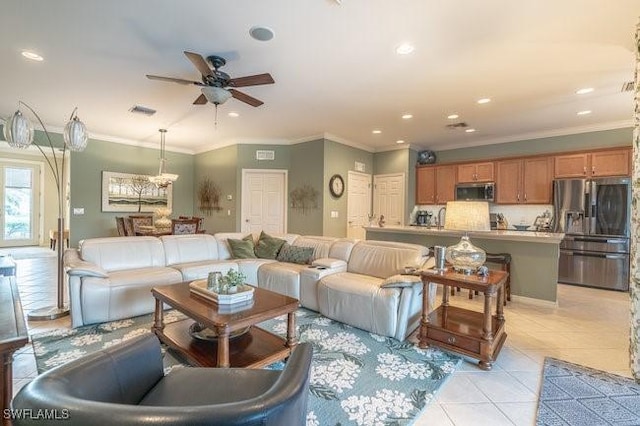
(466, 216)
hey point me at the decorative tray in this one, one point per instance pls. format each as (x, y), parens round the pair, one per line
(244, 293)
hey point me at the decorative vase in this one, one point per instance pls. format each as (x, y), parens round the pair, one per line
(163, 221)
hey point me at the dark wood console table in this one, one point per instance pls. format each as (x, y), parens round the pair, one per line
(476, 334)
(13, 335)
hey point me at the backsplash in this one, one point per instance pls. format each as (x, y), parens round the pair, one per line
(515, 214)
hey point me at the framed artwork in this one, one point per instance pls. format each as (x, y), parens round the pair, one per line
(126, 192)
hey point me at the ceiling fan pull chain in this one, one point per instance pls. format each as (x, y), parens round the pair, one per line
(215, 121)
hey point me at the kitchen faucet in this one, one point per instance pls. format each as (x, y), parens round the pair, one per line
(441, 221)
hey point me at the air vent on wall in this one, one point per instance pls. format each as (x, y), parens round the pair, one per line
(460, 125)
(627, 87)
(137, 109)
(265, 155)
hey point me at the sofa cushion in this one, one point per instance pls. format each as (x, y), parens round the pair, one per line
(281, 277)
(179, 249)
(200, 270)
(121, 253)
(250, 268)
(295, 254)
(382, 258)
(242, 249)
(267, 246)
(224, 251)
(320, 245)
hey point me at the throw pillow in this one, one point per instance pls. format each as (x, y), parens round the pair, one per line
(268, 247)
(242, 249)
(295, 254)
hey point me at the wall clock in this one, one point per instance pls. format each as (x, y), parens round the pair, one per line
(336, 186)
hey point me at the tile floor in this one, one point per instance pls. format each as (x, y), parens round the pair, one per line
(590, 327)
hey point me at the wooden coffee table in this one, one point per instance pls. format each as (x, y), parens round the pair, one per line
(234, 347)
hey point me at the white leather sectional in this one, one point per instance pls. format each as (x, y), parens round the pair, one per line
(355, 282)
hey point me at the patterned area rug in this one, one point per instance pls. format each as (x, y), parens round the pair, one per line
(357, 377)
(574, 395)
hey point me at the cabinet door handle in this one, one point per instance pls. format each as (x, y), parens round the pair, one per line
(518, 197)
(451, 340)
(593, 170)
(584, 170)
(525, 197)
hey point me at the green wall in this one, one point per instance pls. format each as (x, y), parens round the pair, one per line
(577, 142)
(86, 183)
(339, 159)
(306, 168)
(220, 166)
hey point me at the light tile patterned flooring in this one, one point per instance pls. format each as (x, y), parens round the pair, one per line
(590, 327)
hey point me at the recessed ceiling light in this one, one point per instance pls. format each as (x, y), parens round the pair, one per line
(584, 90)
(32, 55)
(484, 100)
(400, 141)
(233, 114)
(404, 49)
(585, 112)
(452, 116)
(261, 33)
(376, 132)
(407, 116)
(471, 130)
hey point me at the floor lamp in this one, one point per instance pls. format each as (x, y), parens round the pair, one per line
(19, 133)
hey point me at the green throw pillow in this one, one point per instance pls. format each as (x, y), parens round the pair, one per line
(242, 249)
(268, 246)
(295, 254)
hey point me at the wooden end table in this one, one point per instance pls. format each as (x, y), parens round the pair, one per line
(255, 348)
(476, 334)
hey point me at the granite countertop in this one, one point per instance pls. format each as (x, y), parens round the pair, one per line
(506, 235)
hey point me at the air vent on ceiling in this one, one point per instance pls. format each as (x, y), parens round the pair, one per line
(137, 109)
(627, 86)
(460, 125)
(265, 155)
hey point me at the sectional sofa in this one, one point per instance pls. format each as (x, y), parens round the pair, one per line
(359, 283)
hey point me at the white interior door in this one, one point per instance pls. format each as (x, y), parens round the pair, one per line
(19, 203)
(264, 201)
(388, 198)
(358, 204)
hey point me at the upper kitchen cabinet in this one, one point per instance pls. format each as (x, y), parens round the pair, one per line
(594, 164)
(524, 181)
(435, 184)
(475, 172)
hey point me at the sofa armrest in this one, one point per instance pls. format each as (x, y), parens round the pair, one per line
(399, 281)
(327, 262)
(75, 266)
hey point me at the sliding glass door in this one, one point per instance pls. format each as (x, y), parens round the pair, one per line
(19, 203)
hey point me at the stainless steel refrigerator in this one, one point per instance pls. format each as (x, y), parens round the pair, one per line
(594, 214)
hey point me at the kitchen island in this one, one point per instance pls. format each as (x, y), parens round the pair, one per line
(534, 255)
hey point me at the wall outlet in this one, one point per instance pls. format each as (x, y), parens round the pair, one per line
(229, 197)
(229, 212)
(334, 214)
(77, 211)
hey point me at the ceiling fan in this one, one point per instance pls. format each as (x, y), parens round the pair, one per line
(218, 86)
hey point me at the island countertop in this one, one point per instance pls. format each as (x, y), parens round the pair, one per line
(534, 255)
(504, 235)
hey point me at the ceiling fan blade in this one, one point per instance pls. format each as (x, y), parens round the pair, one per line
(172, 80)
(199, 62)
(251, 80)
(245, 98)
(200, 100)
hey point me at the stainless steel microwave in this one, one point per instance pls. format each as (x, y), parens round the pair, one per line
(475, 191)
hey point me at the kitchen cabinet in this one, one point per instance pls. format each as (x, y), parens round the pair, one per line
(475, 172)
(524, 181)
(593, 164)
(435, 184)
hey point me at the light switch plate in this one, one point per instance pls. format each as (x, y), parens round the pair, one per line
(334, 214)
(78, 211)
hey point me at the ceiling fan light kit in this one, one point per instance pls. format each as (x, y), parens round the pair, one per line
(217, 86)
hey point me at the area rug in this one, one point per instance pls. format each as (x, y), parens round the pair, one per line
(574, 395)
(356, 378)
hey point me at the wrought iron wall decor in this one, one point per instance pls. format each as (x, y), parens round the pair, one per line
(208, 196)
(304, 198)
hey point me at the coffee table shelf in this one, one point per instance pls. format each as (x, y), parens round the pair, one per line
(256, 348)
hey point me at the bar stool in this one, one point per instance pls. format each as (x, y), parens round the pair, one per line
(53, 238)
(504, 260)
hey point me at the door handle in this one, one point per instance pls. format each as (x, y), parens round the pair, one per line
(246, 220)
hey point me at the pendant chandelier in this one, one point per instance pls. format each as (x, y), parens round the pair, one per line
(163, 179)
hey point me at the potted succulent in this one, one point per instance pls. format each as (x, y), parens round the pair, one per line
(232, 282)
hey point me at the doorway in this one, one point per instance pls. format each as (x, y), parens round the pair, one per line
(19, 203)
(388, 198)
(358, 204)
(264, 201)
